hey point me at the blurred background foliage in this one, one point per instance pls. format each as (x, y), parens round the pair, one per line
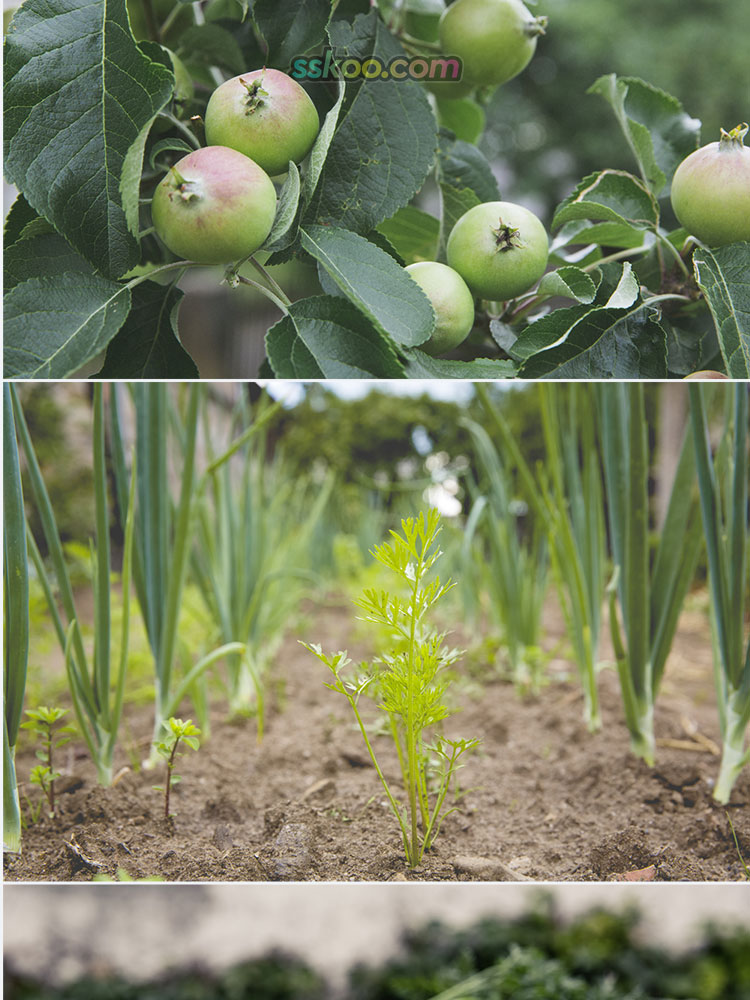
(598, 946)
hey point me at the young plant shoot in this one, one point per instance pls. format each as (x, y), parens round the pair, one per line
(407, 682)
(46, 724)
(177, 732)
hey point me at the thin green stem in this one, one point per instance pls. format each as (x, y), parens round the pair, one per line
(265, 291)
(271, 280)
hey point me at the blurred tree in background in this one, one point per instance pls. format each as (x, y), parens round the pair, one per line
(544, 132)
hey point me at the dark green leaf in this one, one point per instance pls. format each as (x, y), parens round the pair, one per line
(385, 142)
(55, 325)
(291, 27)
(80, 96)
(47, 254)
(374, 282)
(610, 196)
(147, 346)
(212, 45)
(327, 337)
(421, 365)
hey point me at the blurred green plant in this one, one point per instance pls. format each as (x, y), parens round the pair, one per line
(16, 621)
(511, 564)
(251, 552)
(564, 490)
(97, 696)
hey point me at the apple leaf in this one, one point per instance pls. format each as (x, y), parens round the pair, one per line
(374, 282)
(723, 275)
(327, 337)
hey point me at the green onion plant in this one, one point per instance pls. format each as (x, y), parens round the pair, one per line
(648, 587)
(722, 480)
(163, 532)
(97, 695)
(16, 613)
(511, 568)
(408, 683)
(251, 552)
(565, 494)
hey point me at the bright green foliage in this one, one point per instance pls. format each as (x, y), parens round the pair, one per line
(45, 723)
(177, 732)
(722, 480)
(407, 682)
(511, 566)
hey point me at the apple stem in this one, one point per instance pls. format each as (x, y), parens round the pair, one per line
(271, 281)
(264, 291)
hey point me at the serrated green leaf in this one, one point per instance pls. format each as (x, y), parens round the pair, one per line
(413, 233)
(147, 346)
(723, 275)
(568, 281)
(19, 216)
(462, 165)
(54, 325)
(374, 282)
(421, 365)
(584, 342)
(658, 130)
(79, 93)
(609, 234)
(610, 196)
(328, 337)
(385, 142)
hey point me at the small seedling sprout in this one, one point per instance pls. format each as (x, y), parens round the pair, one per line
(177, 731)
(45, 723)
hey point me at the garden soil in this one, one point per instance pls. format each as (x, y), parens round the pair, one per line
(542, 799)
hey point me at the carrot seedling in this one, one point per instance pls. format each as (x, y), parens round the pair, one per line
(46, 724)
(177, 732)
(408, 682)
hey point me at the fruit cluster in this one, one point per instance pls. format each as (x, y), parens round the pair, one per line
(217, 204)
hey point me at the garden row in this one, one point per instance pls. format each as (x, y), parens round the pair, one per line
(247, 537)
